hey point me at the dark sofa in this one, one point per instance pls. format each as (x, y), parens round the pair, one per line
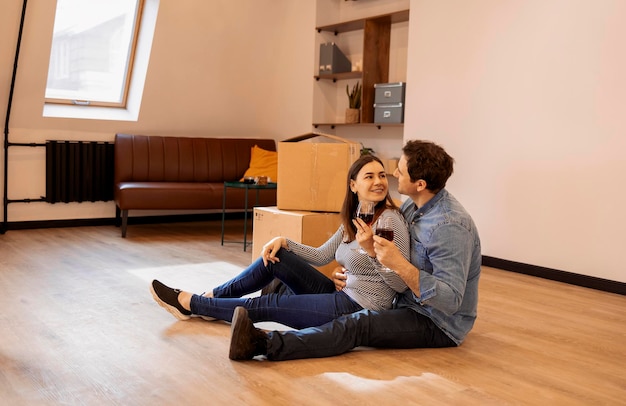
(180, 173)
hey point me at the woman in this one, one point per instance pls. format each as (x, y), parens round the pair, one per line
(313, 299)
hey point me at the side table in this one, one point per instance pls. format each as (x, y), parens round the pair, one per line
(247, 187)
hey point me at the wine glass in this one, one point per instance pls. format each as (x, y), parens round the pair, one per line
(384, 228)
(365, 211)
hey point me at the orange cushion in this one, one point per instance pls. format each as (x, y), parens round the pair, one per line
(263, 163)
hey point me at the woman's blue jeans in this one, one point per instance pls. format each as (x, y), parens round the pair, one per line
(313, 301)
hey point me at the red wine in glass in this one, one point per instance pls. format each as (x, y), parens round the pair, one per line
(365, 211)
(366, 217)
(384, 228)
(386, 233)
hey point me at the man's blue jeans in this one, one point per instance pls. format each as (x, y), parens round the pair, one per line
(313, 302)
(396, 328)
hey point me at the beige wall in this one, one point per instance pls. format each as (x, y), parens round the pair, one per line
(529, 97)
(217, 68)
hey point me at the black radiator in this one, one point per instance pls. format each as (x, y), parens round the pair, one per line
(79, 171)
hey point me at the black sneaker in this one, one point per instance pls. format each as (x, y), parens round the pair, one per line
(167, 298)
(246, 341)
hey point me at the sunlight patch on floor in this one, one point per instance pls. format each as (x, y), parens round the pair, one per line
(351, 382)
(197, 278)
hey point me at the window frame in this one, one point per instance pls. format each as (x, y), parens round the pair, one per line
(127, 79)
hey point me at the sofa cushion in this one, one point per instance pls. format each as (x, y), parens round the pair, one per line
(169, 195)
(263, 163)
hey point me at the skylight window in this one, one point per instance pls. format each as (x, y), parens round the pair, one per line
(93, 49)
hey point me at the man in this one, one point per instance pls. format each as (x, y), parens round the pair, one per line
(438, 309)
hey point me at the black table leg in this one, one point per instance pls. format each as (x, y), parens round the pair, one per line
(223, 212)
(245, 222)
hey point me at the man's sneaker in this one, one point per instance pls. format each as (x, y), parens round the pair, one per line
(246, 341)
(167, 298)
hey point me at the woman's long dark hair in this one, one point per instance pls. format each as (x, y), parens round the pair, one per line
(351, 201)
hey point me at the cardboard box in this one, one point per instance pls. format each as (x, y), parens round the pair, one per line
(390, 165)
(310, 228)
(312, 169)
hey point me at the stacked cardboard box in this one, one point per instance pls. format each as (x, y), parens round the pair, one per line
(312, 169)
(312, 173)
(306, 227)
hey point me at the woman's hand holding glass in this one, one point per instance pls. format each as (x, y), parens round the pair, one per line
(365, 213)
(364, 236)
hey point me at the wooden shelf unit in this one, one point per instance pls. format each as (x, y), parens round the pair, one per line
(376, 44)
(355, 25)
(379, 125)
(340, 76)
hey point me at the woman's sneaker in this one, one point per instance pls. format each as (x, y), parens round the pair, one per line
(167, 298)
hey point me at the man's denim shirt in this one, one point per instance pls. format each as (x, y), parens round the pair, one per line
(445, 247)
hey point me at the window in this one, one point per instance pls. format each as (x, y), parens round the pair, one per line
(93, 47)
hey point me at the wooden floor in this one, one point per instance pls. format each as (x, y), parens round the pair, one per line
(79, 327)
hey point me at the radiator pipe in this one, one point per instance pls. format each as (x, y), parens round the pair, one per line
(43, 199)
(3, 229)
